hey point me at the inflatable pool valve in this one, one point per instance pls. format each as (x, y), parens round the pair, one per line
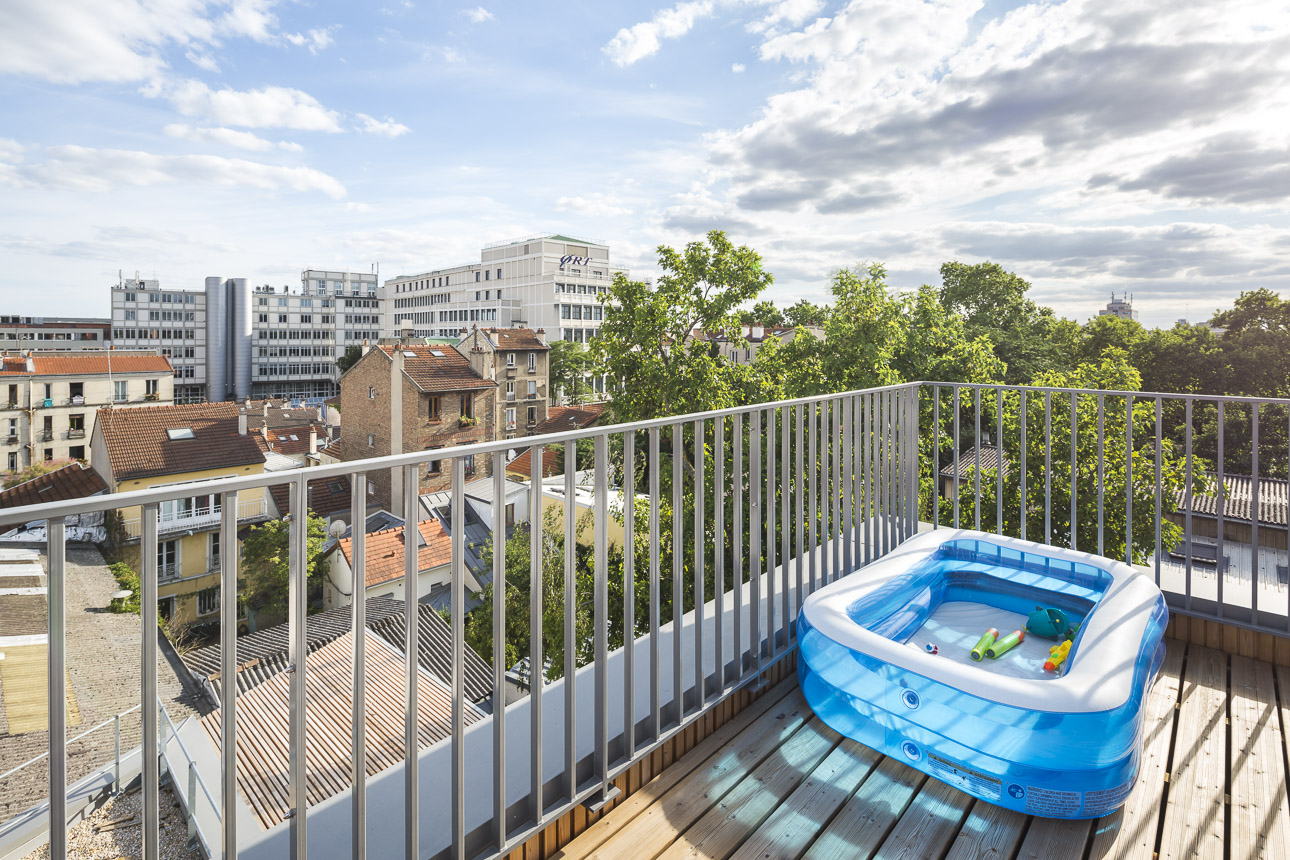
(1006, 644)
(978, 650)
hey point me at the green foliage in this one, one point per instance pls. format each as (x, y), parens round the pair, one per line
(992, 304)
(646, 344)
(568, 366)
(35, 470)
(805, 313)
(764, 313)
(266, 567)
(349, 358)
(128, 580)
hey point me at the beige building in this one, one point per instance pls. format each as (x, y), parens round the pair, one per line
(518, 360)
(48, 401)
(158, 445)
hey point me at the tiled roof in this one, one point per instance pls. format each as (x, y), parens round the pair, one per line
(561, 418)
(293, 440)
(13, 365)
(1238, 499)
(967, 462)
(438, 368)
(523, 464)
(327, 496)
(72, 481)
(263, 725)
(385, 551)
(280, 414)
(435, 646)
(138, 446)
(515, 338)
(101, 362)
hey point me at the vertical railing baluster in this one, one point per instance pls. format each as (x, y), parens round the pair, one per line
(412, 650)
(1048, 467)
(936, 456)
(813, 489)
(1187, 498)
(1128, 479)
(151, 785)
(870, 509)
(1159, 481)
(629, 593)
(976, 466)
(856, 458)
(56, 676)
(700, 538)
(843, 406)
(1021, 460)
(537, 674)
(1074, 469)
(1221, 561)
(228, 562)
(600, 625)
(785, 507)
(754, 531)
(457, 613)
(889, 455)
(957, 444)
(719, 546)
(826, 494)
(1101, 458)
(998, 472)
(570, 629)
(1254, 513)
(298, 610)
(769, 528)
(500, 539)
(655, 684)
(799, 504)
(737, 487)
(678, 570)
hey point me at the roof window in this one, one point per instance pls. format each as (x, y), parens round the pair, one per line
(174, 433)
(436, 353)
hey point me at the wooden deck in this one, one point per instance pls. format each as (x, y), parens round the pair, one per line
(776, 783)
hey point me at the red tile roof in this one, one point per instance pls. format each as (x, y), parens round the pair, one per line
(72, 481)
(138, 446)
(562, 418)
(327, 496)
(100, 363)
(515, 338)
(523, 464)
(385, 551)
(438, 368)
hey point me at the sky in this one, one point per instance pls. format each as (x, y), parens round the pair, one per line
(1091, 147)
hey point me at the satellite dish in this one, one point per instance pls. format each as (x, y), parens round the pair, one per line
(337, 528)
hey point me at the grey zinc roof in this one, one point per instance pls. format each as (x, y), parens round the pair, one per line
(967, 462)
(1238, 499)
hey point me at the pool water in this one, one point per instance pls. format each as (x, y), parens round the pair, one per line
(954, 627)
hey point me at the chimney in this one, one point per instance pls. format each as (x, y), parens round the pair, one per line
(541, 336)
(758, 332)
(241, 422)
(313, 442)
(322, 413)
(366, 347)
(407, 330)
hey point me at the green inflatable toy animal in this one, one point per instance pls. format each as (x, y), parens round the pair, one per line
(1049, 624)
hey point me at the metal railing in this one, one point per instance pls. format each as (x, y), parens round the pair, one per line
(201, 516)
(1189, 488)
(727, 524)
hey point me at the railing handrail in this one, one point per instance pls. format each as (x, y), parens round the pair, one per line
(1110, 392)
(131, 498)
(91, 730)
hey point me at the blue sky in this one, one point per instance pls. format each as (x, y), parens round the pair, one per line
(1088, 146)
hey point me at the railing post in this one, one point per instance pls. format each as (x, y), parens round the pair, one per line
(228, 672)
(607, 790)
(116, 760)
(191, 804)
(151, 788)
(570, 630)
(499, 648)
(412, 650)
(57, 678)
(298, 605)
(457, 612)
(358, 712)
(537, 674)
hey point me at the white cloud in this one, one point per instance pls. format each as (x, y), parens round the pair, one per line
(352, 206)
(250, 18)
(478, 15)
(737, 68)
(596, 204)
(318, 39)
(79, 168)
(267, 107)
(385, 128)
(443, 52)
(202, 60)
(642, 40)
(228, 137)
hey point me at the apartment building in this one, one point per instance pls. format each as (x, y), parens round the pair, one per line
(414, 397)
(518, 360)
(549, 281)
(46, 333)
(152, 446)
(49, 401)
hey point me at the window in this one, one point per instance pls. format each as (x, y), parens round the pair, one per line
(532, 362)
(306, 318)
(212, 553)
(488, 275)
(76, 452)
(510, 391)
(371, 392)
(436, 466)
(13, 461)
(131, 315)
(477, 280)
(371, 440)
(510, 514)
(432, 408)
(510, 418)
(150, 387)
(499, 274)
(510, 359)
(282, 318)
(208, 601)
(76, 423)
(264, 318)
(119, 394)
(49, 454)
(532, 415)
(176, 433)
(467, 406)
(532, 388)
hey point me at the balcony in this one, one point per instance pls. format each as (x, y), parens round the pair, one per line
(197, 518)
(76, 433)
(44, 435)
(667, 719)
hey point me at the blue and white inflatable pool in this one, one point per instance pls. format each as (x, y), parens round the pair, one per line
(1004, 730)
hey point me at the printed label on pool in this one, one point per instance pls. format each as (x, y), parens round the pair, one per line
(965, 778)
(1099, 802)
(1054, 804)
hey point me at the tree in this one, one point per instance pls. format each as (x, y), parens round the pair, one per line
(351, 356)
(804, 313)
(568, 366)
(764, 313)
(266, 571)
(992, 303)
(648, 344)
(35, 470)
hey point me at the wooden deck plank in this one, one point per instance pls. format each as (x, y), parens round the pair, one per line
(792, 826)
(929, 825)
(1260, 820)
(989, 833)
(1055, 839)
(657, 826)
(1130, 832)
(654, 791)
(1194, 813)
(867, 818)
(737, 815)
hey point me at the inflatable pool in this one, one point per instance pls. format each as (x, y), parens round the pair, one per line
(886, 659)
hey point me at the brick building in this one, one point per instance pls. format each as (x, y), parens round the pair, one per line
(518, 359)
(410, 396)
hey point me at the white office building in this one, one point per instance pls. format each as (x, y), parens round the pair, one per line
(232, 341)
(548, 282)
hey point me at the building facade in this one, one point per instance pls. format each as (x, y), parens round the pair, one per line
(47, 333)
(552, 282)
(406, 397)
(518, 360)
(49, 402)
(231, 341)
(1121, 307)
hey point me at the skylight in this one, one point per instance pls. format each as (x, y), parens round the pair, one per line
(436, 353)
(180, 433)
(409, 355)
